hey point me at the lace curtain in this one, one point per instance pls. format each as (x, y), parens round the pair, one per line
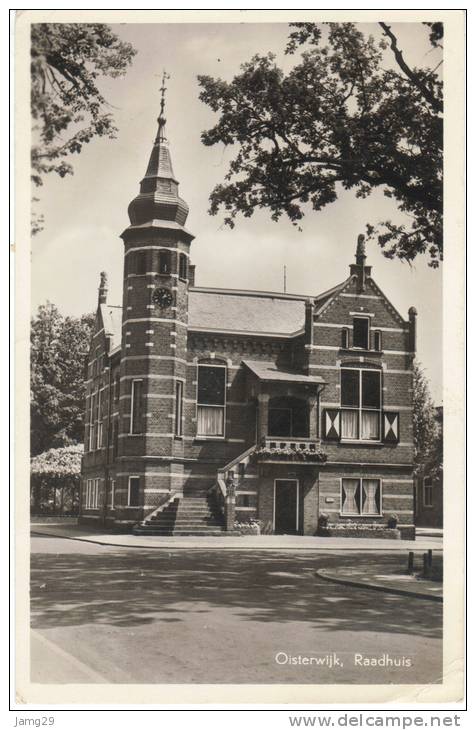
(210, 421)
(350, 488)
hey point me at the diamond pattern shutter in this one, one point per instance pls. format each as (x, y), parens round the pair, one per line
(391, 427)
(332, 423)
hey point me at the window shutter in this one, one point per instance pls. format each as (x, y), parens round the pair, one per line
(391, 427)
(332, 423)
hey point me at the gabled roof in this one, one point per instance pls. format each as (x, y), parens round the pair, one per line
(112, 323)
(269, 371)
(229, 310)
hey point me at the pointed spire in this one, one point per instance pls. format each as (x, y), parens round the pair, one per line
(158, 198)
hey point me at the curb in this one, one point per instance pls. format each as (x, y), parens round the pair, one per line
(276, 548)
(374, 587)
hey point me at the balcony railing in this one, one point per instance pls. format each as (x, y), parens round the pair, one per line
(295, 450)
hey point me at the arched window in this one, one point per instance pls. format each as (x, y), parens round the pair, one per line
(361, 403)
(165, 262)
(211, 399)
(183, 265)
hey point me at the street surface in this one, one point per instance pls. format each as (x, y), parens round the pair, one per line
(123, 615)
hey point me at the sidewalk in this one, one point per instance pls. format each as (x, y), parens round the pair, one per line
(389, 580)
(241, 542)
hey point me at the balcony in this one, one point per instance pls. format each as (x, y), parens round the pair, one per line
(290, 449)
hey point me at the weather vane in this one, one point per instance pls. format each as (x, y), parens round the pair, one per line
(163, 89)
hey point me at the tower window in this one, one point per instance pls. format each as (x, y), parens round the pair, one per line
(178, 407)
(133, 492)
(183, 266)
(211, 400)
(141, 263)
(361, 333)
(136, 407)
(165, 262)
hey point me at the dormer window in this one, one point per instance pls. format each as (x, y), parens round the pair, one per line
(361, 333)
(165, 262)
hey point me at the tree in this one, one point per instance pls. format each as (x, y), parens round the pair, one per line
(340, 118)
(55, 478)
(67, 107)
(426, 433)
(59, 348)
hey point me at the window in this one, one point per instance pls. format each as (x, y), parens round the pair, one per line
(183, 266)
(133, 492)
(92, 493)
(141, 262)
(361, 497)
(165, 266)
(115, 438)
(211, 400)
(136, 407)
(91, 422)
(377, 340)
(427, 492)
(345, 338)
(178, 407)
(99, 420)
(113, 490)
(361, 403)
(361, 333)
(117, 386)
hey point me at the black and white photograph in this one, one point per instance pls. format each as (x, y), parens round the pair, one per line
(237, 284)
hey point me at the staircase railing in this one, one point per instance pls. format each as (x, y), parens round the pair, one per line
(224, 487)
(168, 499)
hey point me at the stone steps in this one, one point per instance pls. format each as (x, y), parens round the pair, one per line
(189, 515)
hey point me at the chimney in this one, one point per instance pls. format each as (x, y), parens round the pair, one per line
(308, 322)
(412, 316)
(102, 296)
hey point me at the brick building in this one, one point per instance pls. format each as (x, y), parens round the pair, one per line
(206, 407)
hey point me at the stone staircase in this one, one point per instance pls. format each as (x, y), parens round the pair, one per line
(194, 513)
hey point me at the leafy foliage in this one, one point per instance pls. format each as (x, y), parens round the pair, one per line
(59, 348)
(67, 59)
(339, 119)
(61, 464)
(427, 435)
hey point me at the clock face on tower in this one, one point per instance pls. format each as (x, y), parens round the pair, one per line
(162, 297)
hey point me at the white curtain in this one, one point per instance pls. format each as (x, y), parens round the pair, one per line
(210, 421)
(349, 424)
(370, 421)
(370, 506)
(350, 488)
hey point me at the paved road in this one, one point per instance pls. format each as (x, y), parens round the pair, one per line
(120, 615)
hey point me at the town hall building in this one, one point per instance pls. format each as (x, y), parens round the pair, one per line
(211, 409)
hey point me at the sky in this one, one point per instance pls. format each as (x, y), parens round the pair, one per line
(86, 213)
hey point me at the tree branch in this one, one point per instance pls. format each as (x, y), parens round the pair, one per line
(435, 103)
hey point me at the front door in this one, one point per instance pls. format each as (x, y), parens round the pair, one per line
(286, 504)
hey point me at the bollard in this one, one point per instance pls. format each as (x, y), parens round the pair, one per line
(410, 561)
(425, 565)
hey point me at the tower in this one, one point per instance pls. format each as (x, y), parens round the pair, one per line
(154, 332)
